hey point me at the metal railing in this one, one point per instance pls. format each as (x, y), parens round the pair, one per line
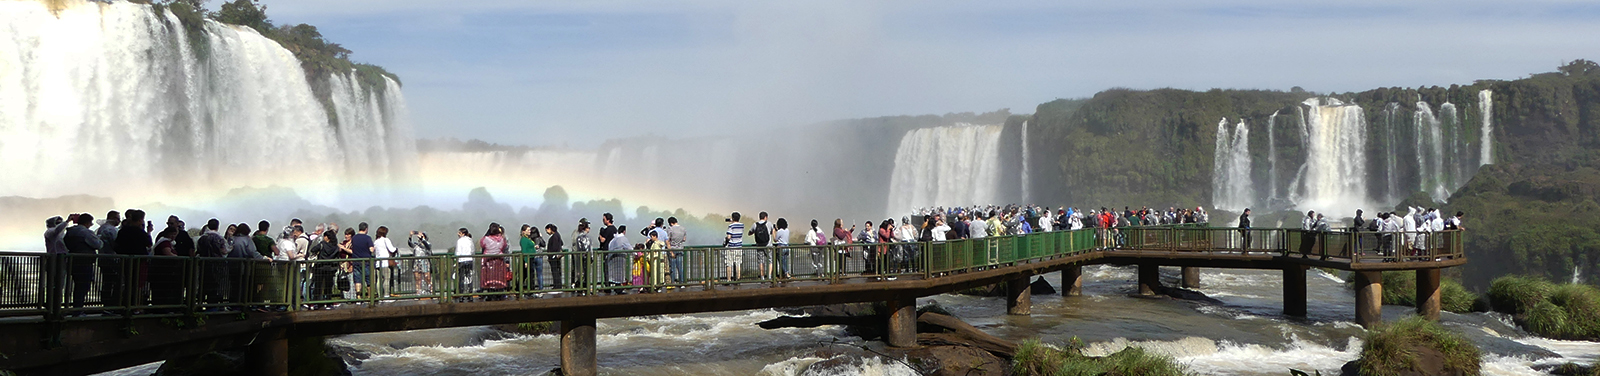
(91, 287)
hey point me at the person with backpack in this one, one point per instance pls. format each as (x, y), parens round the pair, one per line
(762, 231)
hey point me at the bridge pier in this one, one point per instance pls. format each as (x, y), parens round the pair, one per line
(578, 347)
(1294, 290)
(1072, 281)
(1369, 299)
(1428, 293)
(902, 322)
(1149, 279)
(269, 354)
(1019, 300)
(1191, 277)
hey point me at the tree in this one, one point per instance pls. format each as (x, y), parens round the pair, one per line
(243, 13)
(1580, 67)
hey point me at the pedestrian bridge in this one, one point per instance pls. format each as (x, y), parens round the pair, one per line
(160, 307)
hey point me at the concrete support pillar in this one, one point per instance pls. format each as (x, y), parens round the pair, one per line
(1149, 279)
(1428, 293)
(902, 322)
(1191, 277)
(1072, 281)
(577, 348)
(1019, 300)
(269, 354)
(1294, 291)
(1369, 299)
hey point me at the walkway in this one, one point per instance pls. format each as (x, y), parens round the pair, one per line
(170, 315)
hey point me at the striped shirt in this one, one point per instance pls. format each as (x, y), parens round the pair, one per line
(735, 234)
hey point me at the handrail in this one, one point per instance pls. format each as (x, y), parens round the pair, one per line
(95, 287)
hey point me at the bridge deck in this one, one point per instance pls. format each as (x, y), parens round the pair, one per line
(46, 337)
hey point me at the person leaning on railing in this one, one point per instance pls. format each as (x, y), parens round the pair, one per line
(322, 273)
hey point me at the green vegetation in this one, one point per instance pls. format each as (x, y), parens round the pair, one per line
(1400, 288)
(1036, 359)
(1563, 311)
(1401, 348)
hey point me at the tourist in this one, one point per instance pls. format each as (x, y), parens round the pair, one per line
(607, 233)
(650, 262)
(1454, 223)
(1244, 231)
(677, 237)
(363, 248)
(111, 281)
(816, 239)
(133, 239)
(322, 273)
(531, 272)
(907, 235)
(385, 251)
(869, 253)
(617, 260)
(762, 232)
(213, 247)
(495, 273)
(244, 249)
(583, 266)
(780, 239)
(84, 245)
(463, 251)
(422, 266)
(732, 240)
(840, 237)
(553, 245)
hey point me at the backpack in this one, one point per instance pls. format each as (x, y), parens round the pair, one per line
(762, 236)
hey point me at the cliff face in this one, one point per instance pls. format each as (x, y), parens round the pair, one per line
(1520, 157)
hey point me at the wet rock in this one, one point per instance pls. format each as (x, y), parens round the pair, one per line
(1040, 287)
(953, 361)
(939, 329)
(526, 329)
(212, 363)
(1187, 294)
(1430, 362)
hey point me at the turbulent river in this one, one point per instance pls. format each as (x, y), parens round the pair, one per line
(1246, 335)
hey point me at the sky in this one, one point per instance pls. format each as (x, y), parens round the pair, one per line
(575, 73)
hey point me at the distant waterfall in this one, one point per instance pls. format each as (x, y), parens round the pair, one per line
(1272, 157)
(1486, 135)
(110, 99)
(1430, 153)
(1391, 112)
(1336, 160)
(952, 165)
(1027, 181)
(1231, 170)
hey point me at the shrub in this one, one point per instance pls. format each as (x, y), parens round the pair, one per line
(1400, 288)
(1514, 294)
(1034, 358)
(1393, 349)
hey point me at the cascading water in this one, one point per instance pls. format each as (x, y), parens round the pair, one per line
(1450, 122)
(1486, 137)
(1272, 156)
(110, 99)
(1430, 150)
(1231, 169)
(1392, 168)
(1335, 175)
(1027, 181)
(952, 165)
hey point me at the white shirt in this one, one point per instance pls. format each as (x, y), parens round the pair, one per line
(384, 248)
(464, 248)
(285, 248)
(939, 231)
(812, 237)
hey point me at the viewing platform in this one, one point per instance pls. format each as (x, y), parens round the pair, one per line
(160, 307)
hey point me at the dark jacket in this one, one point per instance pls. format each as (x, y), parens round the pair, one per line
(132, 239)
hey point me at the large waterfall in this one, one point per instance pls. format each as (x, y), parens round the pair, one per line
(1231, 170)
(114, 99)
(952, 165)
(1336, 160)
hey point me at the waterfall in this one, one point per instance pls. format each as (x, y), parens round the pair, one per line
(109, 99)
(1391, 165)
(1430, 154)
(951, 165)
(1026, 180)
(1486, 135)
(1450, 122)
(1272, 157)
(1231, 169)
(1335, 175)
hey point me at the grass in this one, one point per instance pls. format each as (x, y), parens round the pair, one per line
(1393, 349)
(1400, 288)
(1563, 311)
(1037, 359)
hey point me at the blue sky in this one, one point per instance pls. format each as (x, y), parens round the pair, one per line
(578, 72)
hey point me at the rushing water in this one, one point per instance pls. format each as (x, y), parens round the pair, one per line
(1336, 167)
(1231, 171)
(954, 165)
(1245, 335)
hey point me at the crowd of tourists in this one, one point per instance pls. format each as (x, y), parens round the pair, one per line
(241, 263)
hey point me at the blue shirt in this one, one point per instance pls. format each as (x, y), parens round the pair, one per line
(361, 246)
